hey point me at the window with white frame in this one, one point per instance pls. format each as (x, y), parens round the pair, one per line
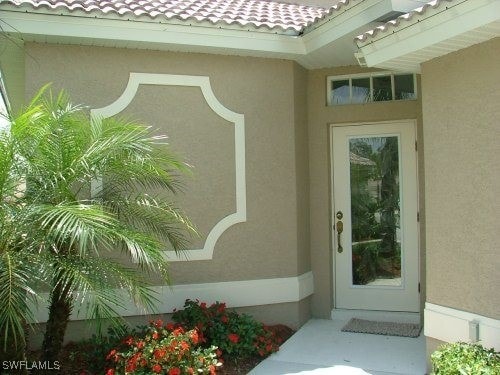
(371, 87)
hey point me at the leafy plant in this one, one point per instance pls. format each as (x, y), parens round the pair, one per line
(91, 353)
(163, 350)
(465, 359)
(236, 335)
(62, 228)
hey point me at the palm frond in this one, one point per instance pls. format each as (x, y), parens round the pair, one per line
(16, 281)
(93, 284)
(153, 215)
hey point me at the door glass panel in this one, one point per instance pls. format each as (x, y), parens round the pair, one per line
(375, 210)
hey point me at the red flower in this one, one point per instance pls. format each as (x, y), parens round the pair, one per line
(174, 371)
(224, 319)
(131, 365)
(194, 337)
(156, 369)
(203, 305)
(233, 337)
(178, 331)
(159, 353)
(172, 346)
(110, 372)
(221, 308)
(155, 335)
(184, 345)
(129, 340)
(111, 354)
(212, 369)
(170, 326)
(140, 344)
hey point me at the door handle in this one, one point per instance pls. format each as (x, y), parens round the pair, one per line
(340, 229)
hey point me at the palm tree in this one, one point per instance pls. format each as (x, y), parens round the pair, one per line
(62, 234)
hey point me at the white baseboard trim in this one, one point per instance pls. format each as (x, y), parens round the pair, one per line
(451, 325)
(234, 293)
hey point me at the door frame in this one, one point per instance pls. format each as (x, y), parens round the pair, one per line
(332, 218)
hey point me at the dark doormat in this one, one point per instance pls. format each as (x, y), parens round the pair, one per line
(382, 328)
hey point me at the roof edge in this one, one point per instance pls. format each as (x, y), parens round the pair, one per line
(429, 32)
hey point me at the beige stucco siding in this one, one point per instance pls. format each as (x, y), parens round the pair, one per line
(320, 117)
(12, 68)
(271, 95)
(461, 115)
(302, 168)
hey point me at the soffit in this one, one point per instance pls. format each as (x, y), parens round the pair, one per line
(435, 29)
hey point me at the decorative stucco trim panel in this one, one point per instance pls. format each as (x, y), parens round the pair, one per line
(137, 79)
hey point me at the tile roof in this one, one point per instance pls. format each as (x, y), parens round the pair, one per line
(402, 20)
(273, 15)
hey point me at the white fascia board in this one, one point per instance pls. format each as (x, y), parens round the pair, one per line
(347, 21)
(106, 31)
(428, 31)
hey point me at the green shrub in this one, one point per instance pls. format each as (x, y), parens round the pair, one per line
(465, 359)
(236, 335)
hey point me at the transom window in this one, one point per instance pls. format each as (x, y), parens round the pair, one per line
(373, 87)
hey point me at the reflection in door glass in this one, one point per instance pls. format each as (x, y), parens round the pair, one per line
(375, 211)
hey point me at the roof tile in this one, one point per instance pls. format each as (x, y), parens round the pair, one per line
(270, 14)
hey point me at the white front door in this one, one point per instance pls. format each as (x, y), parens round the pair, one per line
(375, 231)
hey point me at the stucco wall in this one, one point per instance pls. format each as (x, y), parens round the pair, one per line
(320, 117)
(302, 168)
(461, 115)
(12, 67)
(271, 95)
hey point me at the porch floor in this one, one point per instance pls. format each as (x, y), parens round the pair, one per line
(320, 347)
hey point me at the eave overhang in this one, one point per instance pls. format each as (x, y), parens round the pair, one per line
(328, 43)
(446, 27)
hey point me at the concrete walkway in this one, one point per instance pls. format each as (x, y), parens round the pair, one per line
(320, 347)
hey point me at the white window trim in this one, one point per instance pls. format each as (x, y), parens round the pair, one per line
(371, 75)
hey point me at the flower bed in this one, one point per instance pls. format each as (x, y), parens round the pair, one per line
(205, 339)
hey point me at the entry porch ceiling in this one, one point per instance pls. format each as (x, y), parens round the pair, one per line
(326, 43)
